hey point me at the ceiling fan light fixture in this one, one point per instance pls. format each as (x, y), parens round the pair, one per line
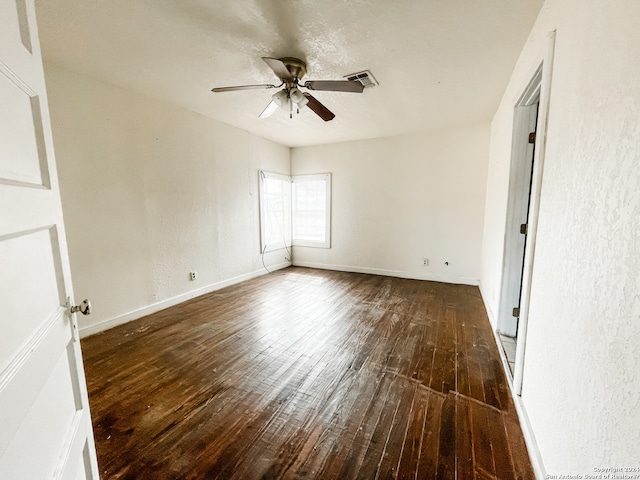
(298, 98)
(281, 98)
(296, 95)
(303, 102)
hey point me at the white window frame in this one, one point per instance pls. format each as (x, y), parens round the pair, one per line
(326, 178)
(267, 220)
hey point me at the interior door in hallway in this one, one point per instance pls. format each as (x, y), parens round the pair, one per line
(530, 116)
(525, 120)
(45, 426)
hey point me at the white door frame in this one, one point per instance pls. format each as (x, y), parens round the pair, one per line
(537, 89)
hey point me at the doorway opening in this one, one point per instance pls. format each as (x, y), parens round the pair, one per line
(525, 125)
(525, 182)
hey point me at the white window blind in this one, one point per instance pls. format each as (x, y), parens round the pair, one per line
(294, 210)
(311, 210)
(275, 211)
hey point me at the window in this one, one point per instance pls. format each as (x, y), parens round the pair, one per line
(275, 211)
(294, 210)
(311, 210)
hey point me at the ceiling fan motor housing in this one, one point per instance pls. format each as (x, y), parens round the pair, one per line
(296, 67)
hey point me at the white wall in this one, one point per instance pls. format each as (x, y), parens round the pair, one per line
(398, 199)
(151, 192)
(581, 384)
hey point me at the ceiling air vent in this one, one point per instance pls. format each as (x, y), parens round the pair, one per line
(366, 78)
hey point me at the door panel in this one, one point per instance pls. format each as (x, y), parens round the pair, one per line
(23, 379)
(525, 118)
(51, 413)
(19, 130)
(45, 425)
(28, 272)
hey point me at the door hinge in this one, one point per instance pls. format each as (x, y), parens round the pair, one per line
(524, 228)
(516, 312)
(532, 137)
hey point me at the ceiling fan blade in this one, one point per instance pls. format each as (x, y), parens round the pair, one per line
(335, 85)
(242, 87)
(279, 68)
(322, 111)
(268, 111)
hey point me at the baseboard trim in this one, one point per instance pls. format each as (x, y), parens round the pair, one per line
(485, 301)
(527, 430)
(390, 273)
(170, 302)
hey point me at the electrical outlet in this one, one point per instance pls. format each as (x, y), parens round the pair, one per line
(193, 276)
(425, 262)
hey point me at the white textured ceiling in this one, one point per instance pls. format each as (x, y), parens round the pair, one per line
(440, 63)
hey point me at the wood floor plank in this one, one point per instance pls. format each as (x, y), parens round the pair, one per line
(348, 460)
(429, 448)
(522, 468)
(424, 362)
(482, 450)
(448, 351)
(297, 416)
(439, 359)
(447, 448)
(393, 450)
(374, 456)
(340, 430)
(489, 382)
(462, 367)
(473, 357)
(464, 439)
(411, 448)
(316, 439)
(499, 446)
(306, 374)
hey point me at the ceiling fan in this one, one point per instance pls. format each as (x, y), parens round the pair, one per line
(290, 71)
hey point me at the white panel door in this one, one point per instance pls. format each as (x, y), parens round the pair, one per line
(45, 425)
(525, 121)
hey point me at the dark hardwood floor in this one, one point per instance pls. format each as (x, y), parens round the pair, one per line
(307, 374)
